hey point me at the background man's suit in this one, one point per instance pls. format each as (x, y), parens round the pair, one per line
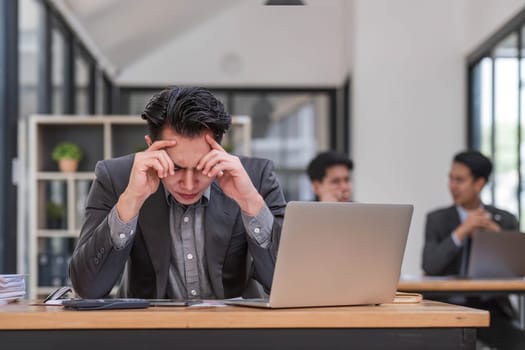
(441, 256)
(96, 266)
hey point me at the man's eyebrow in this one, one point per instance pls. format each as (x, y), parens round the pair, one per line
(177, 166)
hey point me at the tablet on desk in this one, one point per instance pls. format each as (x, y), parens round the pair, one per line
(105, 304)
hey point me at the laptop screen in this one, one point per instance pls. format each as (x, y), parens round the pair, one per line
(497, 255)
(339, 253)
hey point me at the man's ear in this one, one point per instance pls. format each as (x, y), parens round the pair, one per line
(316, 186)
(149, 142)
(479, 183)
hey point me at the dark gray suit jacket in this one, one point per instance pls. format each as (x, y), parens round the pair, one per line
(96, 266)
(441, 256)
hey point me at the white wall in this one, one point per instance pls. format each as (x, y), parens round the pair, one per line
(409, 102)
(253, 45)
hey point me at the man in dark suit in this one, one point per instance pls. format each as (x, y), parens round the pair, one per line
(183, 219)
(448, 233)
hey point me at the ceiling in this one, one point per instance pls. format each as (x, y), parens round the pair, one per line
(216, 41)
(125, 30)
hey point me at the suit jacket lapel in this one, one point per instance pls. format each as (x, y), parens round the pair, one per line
(154, 223)
(220, 219)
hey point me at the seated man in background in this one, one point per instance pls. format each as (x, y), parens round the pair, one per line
(447, 242)
(329, 173)
(187, 219)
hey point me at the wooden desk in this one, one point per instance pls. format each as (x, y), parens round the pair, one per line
(447, 286)
(429, 325)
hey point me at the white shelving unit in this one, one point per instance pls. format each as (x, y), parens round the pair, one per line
(53, 202)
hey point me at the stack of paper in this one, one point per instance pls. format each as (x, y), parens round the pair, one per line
(12, 287)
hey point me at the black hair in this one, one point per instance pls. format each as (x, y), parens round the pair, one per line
(479, 165)
(188, 110)
(316, 170)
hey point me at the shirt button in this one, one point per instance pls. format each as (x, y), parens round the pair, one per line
(257, 230)
(131, 232)
(186, 219)
(122, 236)
(189, 256)
(193, 292)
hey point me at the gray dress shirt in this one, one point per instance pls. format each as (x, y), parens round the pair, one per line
(188, 275)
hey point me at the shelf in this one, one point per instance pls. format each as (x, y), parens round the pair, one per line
(57, 175)
(58, 233)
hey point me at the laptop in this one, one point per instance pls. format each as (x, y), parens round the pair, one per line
(335, 254)
(497, 255)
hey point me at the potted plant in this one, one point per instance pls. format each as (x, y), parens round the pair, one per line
(67, 154)
(56, 214)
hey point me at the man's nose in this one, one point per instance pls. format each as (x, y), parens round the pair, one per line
(189, 179)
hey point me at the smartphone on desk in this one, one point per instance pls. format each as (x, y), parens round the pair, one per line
(105, 304)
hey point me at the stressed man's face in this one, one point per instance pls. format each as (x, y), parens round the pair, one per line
(188, 184)
(336, 185)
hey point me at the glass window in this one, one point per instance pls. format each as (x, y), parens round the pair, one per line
(138, 100)
(28, 51)
(485, 67)
(99, 92)
(289, 129)
(495, 120)
(81, 85)
(482, 110)
(505, 156)
(57, 59)
(522, 126)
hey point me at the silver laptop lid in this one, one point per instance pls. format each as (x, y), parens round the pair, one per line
(339, 254)
(497, 255)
